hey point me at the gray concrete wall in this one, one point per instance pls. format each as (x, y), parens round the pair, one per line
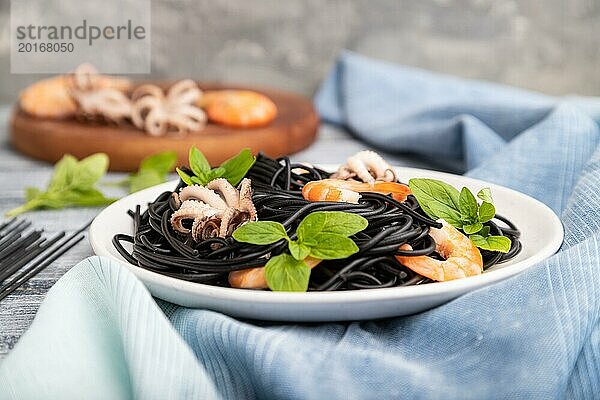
(548, 45)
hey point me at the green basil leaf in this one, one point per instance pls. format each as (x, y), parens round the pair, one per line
(49, 200)
(63, 174)
(286, 274)
(199, 180)
(311, 226)
(468, 206)
(90, 170)
(72, 184)
(436, 196)
(233, 169)
(214, 174)
(485, 194)
(448, 214)
(145, 179)
(338, 222)
(31, 193)
(85, 198)
(331, 246)
(492, 243)
(89, 197)
(298, 250)
(478, 240)
(161, 163)
(260, 232)
(310, 242)
(473, 228)
(499, 243)
(485, 231)
(185, 177)
(153, 170)
(198, 163)
(236, 167)
(487, 211)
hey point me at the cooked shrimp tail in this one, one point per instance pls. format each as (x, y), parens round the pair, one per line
(461, 256)
(238, 108)
(349, 191)
(254, 278)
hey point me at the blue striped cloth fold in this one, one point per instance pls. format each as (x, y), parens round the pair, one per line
(99, 334)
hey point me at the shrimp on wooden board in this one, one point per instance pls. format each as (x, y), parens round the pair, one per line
(58, 97)
(349, 191)
(49, 98)
(254, 278)
(462, 258)
(238, 108)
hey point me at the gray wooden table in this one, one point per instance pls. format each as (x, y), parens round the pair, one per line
(17, 171)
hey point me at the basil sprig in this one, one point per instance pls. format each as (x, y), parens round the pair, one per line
(322, 235)
(461, 210)
(152, 171)
(72, 184)
(233, 169)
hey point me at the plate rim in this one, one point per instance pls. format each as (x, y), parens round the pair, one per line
(347, 297)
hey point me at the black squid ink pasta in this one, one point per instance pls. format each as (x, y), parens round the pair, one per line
(277, 196)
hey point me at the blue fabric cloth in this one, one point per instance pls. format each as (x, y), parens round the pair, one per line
(99, 334)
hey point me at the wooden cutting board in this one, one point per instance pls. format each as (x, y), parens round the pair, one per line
(294, 128)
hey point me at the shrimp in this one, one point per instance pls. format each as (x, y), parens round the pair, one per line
(462, 258)
(238, 108)
(254, 278)
(349, 191)
(49, 98)
(58, 97)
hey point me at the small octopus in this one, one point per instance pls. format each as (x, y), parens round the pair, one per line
(366, 166)
(98, 96)
(158, 112)
(214, 210)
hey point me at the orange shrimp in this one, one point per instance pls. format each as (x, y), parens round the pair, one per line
(53, 97)
(49, 98)
(348, 191)
(462, 258)
(238, 108)
(254, 278)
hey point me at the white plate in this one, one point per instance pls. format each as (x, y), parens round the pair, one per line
(542, 235)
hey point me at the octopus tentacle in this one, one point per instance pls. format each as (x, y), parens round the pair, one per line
(226, 190)
(204, 194)
(152, 91)
(184, 92)
(158, 112)
(226, 219)
(110, 104)
(217, 209)
(176, 199)
(206, 228)
(87, 78)
(246, 204)
(367, 166)
(190, 210)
